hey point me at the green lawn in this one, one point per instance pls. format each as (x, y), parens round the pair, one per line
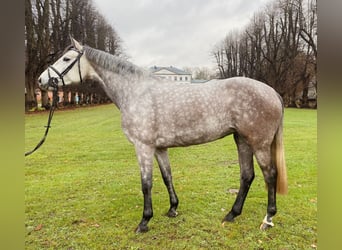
(82, 189)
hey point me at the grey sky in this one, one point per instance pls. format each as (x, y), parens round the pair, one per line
(175, 32)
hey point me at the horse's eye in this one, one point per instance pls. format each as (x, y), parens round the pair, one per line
(66, 59)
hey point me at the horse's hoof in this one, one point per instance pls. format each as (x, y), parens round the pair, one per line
(266, 223)
(264, 226)
(141, 229)
(228, 218)
(172, 213)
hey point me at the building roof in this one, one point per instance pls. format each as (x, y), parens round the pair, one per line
(172, 69)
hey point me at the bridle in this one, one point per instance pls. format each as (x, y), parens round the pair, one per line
(67, 69)
(53, 83)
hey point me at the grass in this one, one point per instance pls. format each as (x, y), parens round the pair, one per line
(82, 189)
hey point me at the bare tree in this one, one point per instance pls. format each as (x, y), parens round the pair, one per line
(48, 24)
(30, 55)
(251, 48)
(219, 54)
(37, 47)
(278, 47)
(308, 32)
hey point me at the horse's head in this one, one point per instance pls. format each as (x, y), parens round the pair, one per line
(69, 68)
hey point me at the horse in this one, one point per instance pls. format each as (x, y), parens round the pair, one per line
(158, 114)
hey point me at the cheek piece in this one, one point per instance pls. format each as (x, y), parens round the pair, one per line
(67, 69)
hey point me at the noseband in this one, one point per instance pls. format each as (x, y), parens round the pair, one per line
(67, 69)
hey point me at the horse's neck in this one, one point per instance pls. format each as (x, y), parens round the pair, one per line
(120, 88)
(119, 78)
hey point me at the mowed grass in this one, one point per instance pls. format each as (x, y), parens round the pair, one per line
(83, 191)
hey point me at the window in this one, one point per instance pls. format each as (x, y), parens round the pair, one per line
(186, 78)
(175, 78)
(180, 78)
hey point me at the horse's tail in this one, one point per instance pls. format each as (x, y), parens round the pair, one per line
(278, 156)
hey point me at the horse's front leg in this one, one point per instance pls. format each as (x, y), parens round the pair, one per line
(165, 169)
(145, 158)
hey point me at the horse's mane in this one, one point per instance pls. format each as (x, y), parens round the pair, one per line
(111, 62)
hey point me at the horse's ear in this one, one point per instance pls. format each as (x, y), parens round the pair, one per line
(76, 44)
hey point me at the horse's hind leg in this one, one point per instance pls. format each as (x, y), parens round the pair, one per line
(247, 175)
(165, 169)
(269, 171)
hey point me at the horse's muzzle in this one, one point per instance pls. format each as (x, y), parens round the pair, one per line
(52, 83)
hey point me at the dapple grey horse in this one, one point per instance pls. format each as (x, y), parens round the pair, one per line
(159, 114)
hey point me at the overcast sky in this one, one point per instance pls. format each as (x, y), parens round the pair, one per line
(175, 32)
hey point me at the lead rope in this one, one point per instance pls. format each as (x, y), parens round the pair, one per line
(53, 82)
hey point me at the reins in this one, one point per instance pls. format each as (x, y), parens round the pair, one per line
(53, 82)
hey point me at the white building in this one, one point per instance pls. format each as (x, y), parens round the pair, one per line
(171, 73)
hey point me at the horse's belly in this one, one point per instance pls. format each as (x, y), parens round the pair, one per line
(192, 135)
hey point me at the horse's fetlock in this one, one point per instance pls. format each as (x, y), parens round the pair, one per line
(271, 211)
(147, 214)
(236, 212)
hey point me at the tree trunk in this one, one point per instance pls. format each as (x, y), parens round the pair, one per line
(65, 98)
(73, 98)
(30, 95)
(45, 100)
